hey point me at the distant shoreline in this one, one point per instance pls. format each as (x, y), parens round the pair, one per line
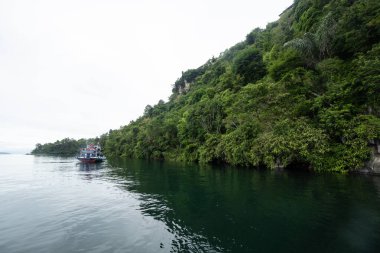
(4, 153)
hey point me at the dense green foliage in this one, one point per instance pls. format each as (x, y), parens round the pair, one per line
(64, 147)
(304, 91)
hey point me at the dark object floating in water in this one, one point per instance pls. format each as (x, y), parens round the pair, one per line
(91, 154)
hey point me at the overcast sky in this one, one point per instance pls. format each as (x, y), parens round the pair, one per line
(77, 68)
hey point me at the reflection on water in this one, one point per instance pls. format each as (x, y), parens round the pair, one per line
(90, 166)
(230, 210)
(155, 186)
(55, 204)
(90, 171)
(376, 182)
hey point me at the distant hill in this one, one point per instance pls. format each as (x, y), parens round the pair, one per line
(4, 153)
(65, 147)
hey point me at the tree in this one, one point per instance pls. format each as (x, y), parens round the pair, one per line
(316, 46)
(248, 65)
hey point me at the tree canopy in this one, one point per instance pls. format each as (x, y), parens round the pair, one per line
(65, 147)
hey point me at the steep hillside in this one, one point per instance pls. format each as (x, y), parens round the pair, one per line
(303, 91)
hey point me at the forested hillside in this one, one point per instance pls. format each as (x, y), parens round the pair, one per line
(63, 147)
(303, 91)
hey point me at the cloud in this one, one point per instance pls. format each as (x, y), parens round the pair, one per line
(78, 68)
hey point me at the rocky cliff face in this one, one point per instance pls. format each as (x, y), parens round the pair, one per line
(374, 163)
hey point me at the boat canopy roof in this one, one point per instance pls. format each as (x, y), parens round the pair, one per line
(91, 148)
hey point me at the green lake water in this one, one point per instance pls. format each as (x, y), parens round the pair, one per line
(52, 204)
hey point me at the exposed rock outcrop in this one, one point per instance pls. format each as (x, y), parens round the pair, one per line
(373, 166)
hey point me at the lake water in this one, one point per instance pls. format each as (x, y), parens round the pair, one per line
(51, 204)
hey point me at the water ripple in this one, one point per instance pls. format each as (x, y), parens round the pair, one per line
(50, 204)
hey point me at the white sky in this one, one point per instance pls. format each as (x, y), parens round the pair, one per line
(77, 68)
